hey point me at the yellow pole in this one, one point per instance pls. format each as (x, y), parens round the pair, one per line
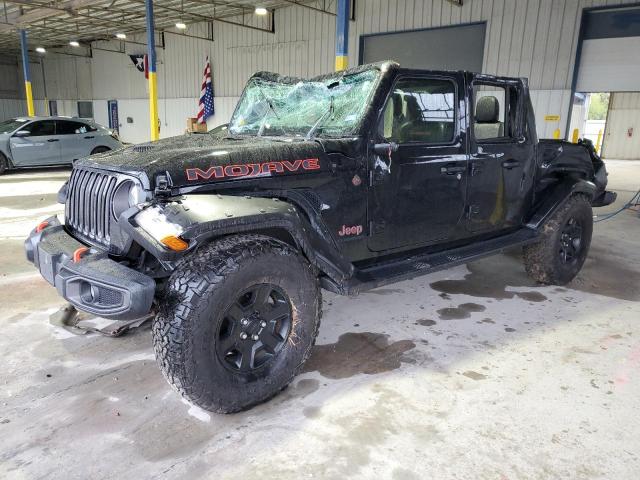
(153, 106)
(31, 111)
(153, 84)
(599, 141)
(556, 134)
(576, 134)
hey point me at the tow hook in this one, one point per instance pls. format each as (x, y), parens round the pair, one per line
(41, 226)
(79, 252)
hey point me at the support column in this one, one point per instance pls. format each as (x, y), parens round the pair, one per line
(153, 83)
(342, 35)
(27, 76)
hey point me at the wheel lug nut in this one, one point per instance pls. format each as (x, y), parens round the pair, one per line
(243, 336)
(254, 337)
(263, 324)
(244, 321)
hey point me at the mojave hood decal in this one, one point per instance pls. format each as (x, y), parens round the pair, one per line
(260, 169)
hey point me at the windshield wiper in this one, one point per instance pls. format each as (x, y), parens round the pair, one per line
(315, 126)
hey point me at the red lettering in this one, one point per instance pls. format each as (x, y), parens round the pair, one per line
(272, 167)
(195, 173)
(255, 169)
(355, 230)
(311, 164)
(292, 167)
(236, 170)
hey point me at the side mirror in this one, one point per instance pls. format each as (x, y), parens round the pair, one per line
(22, 133)
(385, 149)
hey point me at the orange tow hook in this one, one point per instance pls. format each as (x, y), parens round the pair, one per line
(41, 226)
(77, 255)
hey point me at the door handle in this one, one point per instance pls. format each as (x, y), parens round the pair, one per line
(53, 140)
(509, 164)
(90, 136)
(452, 170)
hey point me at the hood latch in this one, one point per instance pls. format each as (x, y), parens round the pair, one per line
(163, 185)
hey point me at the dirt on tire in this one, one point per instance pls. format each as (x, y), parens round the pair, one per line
(195, 299)
(541, 259)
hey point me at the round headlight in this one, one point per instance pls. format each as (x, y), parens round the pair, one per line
(126, 196)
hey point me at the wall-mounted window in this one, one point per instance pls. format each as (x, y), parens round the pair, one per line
(85, 109)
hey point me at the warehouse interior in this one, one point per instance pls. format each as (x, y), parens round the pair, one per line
(471, 372)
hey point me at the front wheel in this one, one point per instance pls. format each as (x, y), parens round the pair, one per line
(238, 320)
(559, 255)
(97, 150)
(4, 164)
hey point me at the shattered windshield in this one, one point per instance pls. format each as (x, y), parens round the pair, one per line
(331, 107)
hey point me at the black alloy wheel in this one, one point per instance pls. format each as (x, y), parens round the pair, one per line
(254, 328)
(570, 241)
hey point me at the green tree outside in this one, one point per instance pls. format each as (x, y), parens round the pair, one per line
(598, 106)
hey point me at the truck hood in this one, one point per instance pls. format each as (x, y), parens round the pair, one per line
(195, 159)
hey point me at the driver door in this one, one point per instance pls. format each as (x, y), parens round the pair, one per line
(418, 186)
(39, 146)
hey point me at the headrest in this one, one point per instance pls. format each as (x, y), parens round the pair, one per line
(413, 109)
(487, 110)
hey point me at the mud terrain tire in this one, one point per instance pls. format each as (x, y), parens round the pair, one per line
(204, 307)
(560, 254)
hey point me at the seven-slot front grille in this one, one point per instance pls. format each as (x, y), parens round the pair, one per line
(88, 207)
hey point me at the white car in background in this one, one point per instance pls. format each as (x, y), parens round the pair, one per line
(48, 141)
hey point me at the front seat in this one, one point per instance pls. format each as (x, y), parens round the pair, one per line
(487, 124)
(412, 126)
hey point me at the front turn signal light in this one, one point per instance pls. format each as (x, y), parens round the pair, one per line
(174, 243)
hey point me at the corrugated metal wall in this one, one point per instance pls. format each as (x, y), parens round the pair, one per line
(531, 38)
(624, 114)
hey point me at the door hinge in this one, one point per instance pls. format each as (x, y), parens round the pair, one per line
(472, 210)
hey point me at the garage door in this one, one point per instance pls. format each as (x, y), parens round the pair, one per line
(459, 47)
(610, 57)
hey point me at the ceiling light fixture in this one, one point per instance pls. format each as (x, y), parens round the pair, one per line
(74, 43)
(121, 36)
(261, 11)
(181, 26)
(40, 50)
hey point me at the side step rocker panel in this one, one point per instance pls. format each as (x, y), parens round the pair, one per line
(417, 265)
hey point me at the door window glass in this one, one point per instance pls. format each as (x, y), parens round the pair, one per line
(420, 110)
(495, 112)
(40, 128)
(66, 127)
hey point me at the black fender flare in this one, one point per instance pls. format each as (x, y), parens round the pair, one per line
(556, 198)
(205, 217)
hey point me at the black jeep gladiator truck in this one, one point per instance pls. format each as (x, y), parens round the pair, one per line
(346, 182)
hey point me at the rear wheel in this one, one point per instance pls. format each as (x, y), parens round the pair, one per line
(238, 320)
(560, 254)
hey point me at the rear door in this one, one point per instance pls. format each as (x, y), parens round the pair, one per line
(502, 156)
(417, 194)
(39, 147)
(77, 139)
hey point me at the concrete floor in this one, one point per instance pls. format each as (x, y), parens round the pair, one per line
(473, 372)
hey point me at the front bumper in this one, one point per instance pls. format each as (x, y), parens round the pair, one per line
(604, 198)
(93, 283)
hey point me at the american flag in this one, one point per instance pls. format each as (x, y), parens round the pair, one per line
(205, 108)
